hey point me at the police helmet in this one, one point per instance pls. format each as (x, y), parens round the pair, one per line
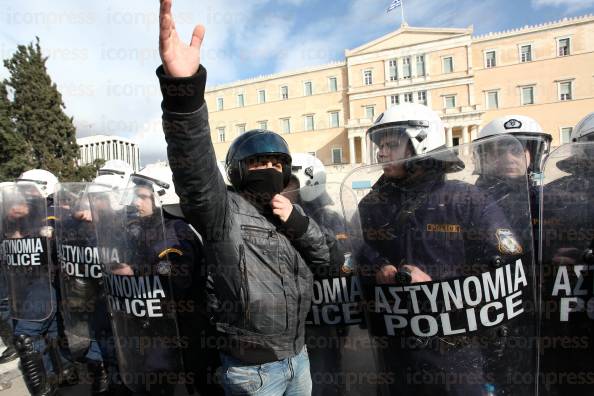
(311, 174)
(424, 131)
(44, 181)
(114, 174)
(159, 178)
(251, 144)
(527, 130)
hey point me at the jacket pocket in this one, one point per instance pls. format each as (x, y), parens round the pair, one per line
(263, 281)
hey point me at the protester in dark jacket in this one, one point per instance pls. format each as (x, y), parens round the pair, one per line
(257, 244)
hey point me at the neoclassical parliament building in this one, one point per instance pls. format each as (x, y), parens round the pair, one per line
(544, 71)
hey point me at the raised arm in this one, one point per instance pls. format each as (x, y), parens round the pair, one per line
(198, 182)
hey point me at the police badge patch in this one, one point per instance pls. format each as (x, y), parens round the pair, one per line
(164, 268)
(507, 243)
(513, 124)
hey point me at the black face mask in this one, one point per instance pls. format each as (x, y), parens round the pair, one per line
(263, 184)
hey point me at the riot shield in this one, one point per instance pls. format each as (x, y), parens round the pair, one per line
(340, 356)
(81, 286)
(566, 271)
(137, 275)
(26, 244)
(448, 282)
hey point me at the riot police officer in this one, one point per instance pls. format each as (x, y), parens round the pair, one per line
(28, 216)
(503, 170)
(427, 235)
(506, 171)
(9, 353)
(566, 265)
(84, 307)
(158, 245)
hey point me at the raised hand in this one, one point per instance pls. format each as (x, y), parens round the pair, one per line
(179, 59)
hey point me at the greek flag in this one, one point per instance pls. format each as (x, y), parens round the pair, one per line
(394, 4)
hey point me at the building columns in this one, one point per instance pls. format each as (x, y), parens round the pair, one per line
(449, 138)
(473, 132)
(352, 150)
(363, 151)
(465, 135)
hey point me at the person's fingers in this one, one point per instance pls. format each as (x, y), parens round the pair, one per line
(277, 212)
(197, 36)
(165, 19)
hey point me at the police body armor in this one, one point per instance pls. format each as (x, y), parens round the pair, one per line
(26, 245)
(448, 288)
(81, 286)
(566, 271)
(336, 335)
(138, 285)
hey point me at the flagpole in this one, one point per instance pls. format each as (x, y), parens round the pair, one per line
(403, 22)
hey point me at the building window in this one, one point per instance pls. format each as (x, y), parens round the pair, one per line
(527, 95)
(565, 135)
(286, 125)
(332, 84)
(394, 100)
(408, 97)
(490, 59)
(526, 53)
(565, 90)
(284, 92)
(449, 101)
(563, 47)
(370, 112)
(393, 70)
(406, 67)
(368, 77)
(422, 97)
(263, 124)
(220, 104)
(240, 100)
(262, 96)
(221, 134)
(448, 64)
(240, 129)
(334, 119)
(309, 122)
(307, 88)
(337, 155)
(420, 65)
(492, 99)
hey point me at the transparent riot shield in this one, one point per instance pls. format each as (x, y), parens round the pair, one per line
(80, 278)
(26, 244)
(443, 246)
(567, 271)
(337, 340)
(138, 286)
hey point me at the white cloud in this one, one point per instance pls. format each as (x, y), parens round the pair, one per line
(569, 5)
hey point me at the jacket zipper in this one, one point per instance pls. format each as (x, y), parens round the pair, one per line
(244, 284)
(258, 229)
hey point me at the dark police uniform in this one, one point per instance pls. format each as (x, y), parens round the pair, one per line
(448, 229)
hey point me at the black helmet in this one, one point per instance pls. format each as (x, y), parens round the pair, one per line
(253, 143)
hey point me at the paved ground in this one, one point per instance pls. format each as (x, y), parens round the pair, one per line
(12, 383)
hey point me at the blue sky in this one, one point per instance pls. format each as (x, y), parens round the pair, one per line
(102, 55)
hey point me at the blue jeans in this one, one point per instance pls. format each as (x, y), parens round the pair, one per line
(288, 377)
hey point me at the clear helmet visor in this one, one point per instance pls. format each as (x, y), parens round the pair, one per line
(512, 159)
(392, 143)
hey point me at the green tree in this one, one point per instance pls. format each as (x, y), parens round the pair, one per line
(15, 152)
(88, 172)
(37, 111)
